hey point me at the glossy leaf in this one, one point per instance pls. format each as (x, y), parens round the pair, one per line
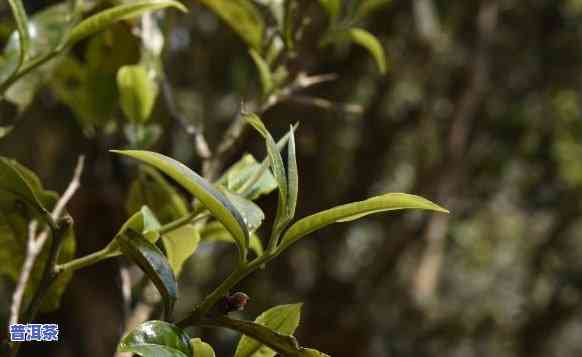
(352, 211)
(243, 17)
(282, 217)
(370, 43)
(137, 91)
(332, 7)
(156, 339)
(108, 17)
(179, 245)
(208, 195)
(153, 263)
(282, 319)
(215, 231)
(201, 348)
(264, 72)
(252, 214)
(249, 178)
(21, 20)
(292, 175)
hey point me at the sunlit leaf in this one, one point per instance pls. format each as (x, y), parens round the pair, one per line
(352, 211)
(215, 231)
(5, 130)
(282, 319)
(243, 17)
(239, 176)
(138, 92)
(104, 19)
(292, 175)
(153, 263)
(208, 195)
(264, 72)
(201, 348)
(157, 339)
(144, 221)
(371, 43)
(179, 245)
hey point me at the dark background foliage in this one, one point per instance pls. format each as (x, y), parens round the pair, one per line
(480, 111)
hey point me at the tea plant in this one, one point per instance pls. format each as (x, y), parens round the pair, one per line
(165, 228)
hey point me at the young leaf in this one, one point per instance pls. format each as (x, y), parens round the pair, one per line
(138, 92)
(282, 217)
(371, 43)
(264, 72)
(22, 25)
(282, 319)
(249, 178)
(157, 339)
(153, 263)
(367, 7)
(215, 231)
(332, 7)
(252, 214)
(179, 245)
(243, 17)
(209, 196)
(355, 210)
(201, 348)
(292, 175)
(107, 17)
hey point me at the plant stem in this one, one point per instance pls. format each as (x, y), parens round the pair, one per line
(189, 218)
(85, 261)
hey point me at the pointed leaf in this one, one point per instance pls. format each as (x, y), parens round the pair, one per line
(264, 72)
(292, 175)
(179, 245)
(282, 319)
(252, 214)
(138, 92)
(208, 195)
(21, 20)
(156, 339)
(107, 17)
(355, 210)
(153, 263)
(201, 348)
(249, 178)
(371, 43)
(243, 17)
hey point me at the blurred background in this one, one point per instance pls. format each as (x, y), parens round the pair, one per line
(480, 111)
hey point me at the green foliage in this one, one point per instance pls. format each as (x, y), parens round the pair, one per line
(201, 348)
(157, 338)
(137, 91)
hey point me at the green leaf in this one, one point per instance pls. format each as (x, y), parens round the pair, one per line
(264, 72)
(138, 92)
(108, 17)
(22, 24)
(355, 210)
(243, 17)
(370, 43)
(332, 7)
(252, 214)
(282, 319)
(367, 7)
(249, 178)
(282, 217)
(179, 245)
(215, 231)
(208, 195)
(157, 339)
(201, 348)
(5, 130)
(17, 181)
(292, 175)
(143, 221)
(309, 352)
(153, 263)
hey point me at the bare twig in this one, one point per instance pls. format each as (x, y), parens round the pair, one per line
(36, 243)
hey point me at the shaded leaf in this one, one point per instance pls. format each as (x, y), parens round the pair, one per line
(215, 231)
(179, 245)
(105, 18)
(21, 20)
(249, 178)
(367, 7)
(156, 339)
(144, 221)
(282, 319)
(264, 72)
(332, 7)
(243, 17)
(153, 263)
(208, 195)
(201, 348)
(355, 210)
(138, 92)
(371, 43)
